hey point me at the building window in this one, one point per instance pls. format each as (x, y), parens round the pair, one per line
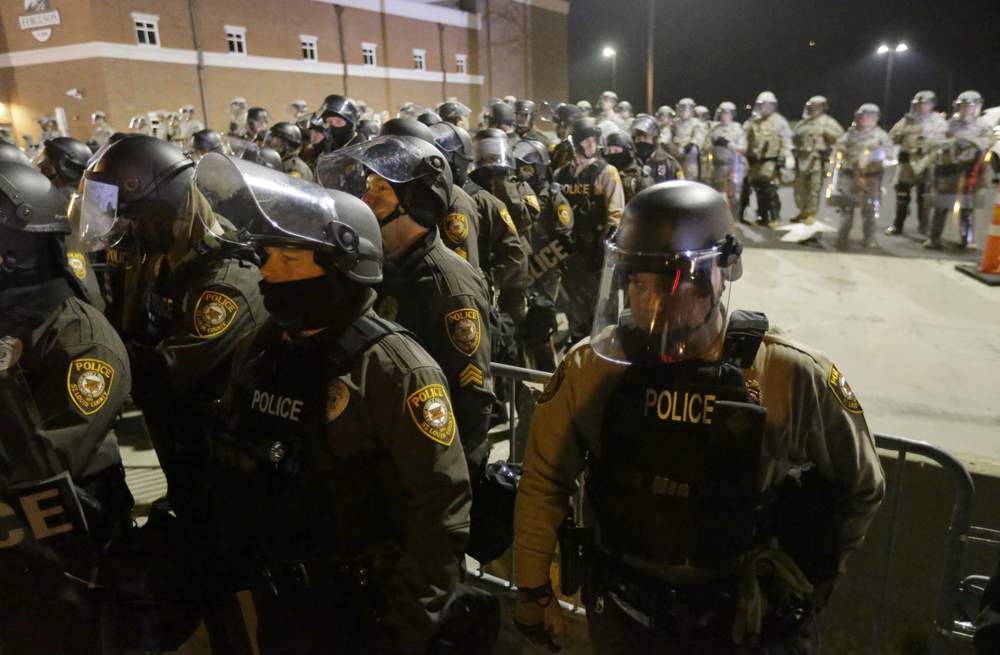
(419, 59)
(369, 55)
(308, 45)
(147, 31)
(236, 39)
(462, 63)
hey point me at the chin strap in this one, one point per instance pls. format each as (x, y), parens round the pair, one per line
(393, 215)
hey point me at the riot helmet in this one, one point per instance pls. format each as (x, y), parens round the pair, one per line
(454, 112)
(923, 103)
(645, 132)
(663, 295)
(968, 105)
(524, 114)
(532, 160)
(766, 103)
(429, 117)
(815, 106)
(665, 114)
(492, 156)
(32, 214)
(11, 153)
(285, 138)
(701, 113)
(564, 115)
(415, 169)
(138, 185)
(502, 117)
(204, 141)
(607, 101)
(407, 127)
(367, 129)
(724, 109)
(409, 110)
(265, 156)
(685, 108)
(456, 144)
(624, 109)
(586, 109)
(587, 137)
(258, 120)
(263, 207)
(63, 160)
(339, 116)
(867, 115)
(618, 150)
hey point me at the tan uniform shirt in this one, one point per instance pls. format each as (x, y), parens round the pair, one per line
(813, 419)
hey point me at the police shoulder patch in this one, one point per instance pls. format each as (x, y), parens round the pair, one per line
(456, 227)
(508, 221)
(465, 329)
(842, 390)
(563, 215)
(430, 409)
(77, 263)
(532, 201)
(337, 398)
(552, 386)
(462, 252)
(214, 313)
(89, 382)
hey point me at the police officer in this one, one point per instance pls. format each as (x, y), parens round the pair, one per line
(339, 116)
(64, 376)
(769, 146)
(551, 242)
(916, 134)
(102, 129)
(624, 111)
(726, 145)
(501, 117)
(11, 153)
(959, 169)
(564, 115)
(455, 113)
(258, 120)
(620, 153)
(594, 190)
(606, 104)
(524, 122)
(688, 136)
(859, 157)
(286, 140)
(662, 166)
(199, 293)
(730, 471)
(813, 138)
(665, 115)
(205, 141)
(427, 288)
(338, 483)
(428, 117)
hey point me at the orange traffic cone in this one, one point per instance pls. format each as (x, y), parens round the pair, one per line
(988, 271)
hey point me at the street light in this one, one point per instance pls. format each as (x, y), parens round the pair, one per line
(884, 49)
(610, 53)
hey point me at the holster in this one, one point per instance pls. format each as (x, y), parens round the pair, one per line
(575, 546)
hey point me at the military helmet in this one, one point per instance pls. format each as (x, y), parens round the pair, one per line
(868, 108)
(265, 207)
(456, 145)
(566, 113)
(725, 107)
(239, 102)
(186, 109)
(584, 106)
(609, 96)
(140, 180)
(11, 153)
(817, 101)
(646, 124)
(98, 115)
(969, 98)
(284, 137)
(766, 96)
(618, 139)
(665, 271)
(584, 128)
(925, 96)
(300, 105)
(338, 105)
(666, 111)
(510, 99)
(501, 114)
(624, 107)
(68, 157)
(524, 106)
(701, 111)
(258, 114)
(686, 103)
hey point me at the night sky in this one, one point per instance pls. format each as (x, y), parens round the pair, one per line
(715, 50)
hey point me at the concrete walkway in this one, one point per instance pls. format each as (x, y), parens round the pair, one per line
(918, 341)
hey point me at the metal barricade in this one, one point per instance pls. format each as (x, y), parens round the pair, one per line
(950, 619)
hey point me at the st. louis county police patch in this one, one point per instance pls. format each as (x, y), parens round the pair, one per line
(456, 227)
(77, 263)
(564, 215)
(552, 386)
(214, 313)
(843, 392)
(464, 330)
(88, 382)
(430, 410)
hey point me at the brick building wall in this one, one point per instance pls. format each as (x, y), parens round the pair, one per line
(94, 49)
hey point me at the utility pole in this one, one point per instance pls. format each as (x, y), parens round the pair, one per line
(650, 19)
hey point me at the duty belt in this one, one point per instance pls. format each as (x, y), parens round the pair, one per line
(365, 574)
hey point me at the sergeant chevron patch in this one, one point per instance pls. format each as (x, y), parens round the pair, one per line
(470, 375)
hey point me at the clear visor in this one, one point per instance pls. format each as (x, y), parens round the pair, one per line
(493, 152)
(398, 159)
(253, 204)
(93, 215)
(660, 309)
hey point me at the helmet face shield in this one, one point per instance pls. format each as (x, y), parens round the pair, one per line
(661, 308)
(93, 213)
(492, 152)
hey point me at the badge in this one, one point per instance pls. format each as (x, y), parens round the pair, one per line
(10, 352)
(842, 390)
(461, 252)
(552, 386)
(456, 227)
(387, 308)
(470, 375)
(337, 398)
(214, 313)
(89, 383)
(464, 330)
(77, 263)
(294, 174)
(508, 221)
(532, 201)
(430, 410)
(564, 215)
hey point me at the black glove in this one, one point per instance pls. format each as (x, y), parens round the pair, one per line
(688, 148)
(720, 141)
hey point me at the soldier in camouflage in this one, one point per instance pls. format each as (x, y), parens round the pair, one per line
(813, 137)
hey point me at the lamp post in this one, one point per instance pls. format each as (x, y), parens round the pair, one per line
(884, 49)
(610, 53)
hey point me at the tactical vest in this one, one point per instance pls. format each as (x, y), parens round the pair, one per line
(282, 492)
(674, 481)
(590, 211)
